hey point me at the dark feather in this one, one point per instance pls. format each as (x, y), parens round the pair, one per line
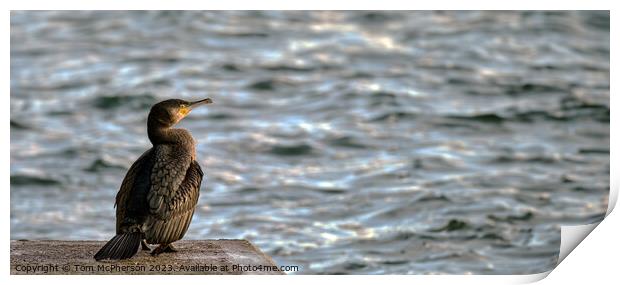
(131, 207)
(170, 222)
(120, 247)
(158, 195)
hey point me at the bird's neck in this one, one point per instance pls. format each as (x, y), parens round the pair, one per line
(161, 134)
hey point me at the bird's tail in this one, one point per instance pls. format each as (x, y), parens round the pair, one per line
(121, 246)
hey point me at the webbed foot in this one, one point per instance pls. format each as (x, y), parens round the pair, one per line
(170, 248)
(163, 248)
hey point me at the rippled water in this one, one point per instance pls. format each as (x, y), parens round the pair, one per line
(342, 142)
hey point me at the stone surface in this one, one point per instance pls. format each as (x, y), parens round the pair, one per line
(193, 257)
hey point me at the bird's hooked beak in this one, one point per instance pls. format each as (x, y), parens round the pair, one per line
(186, 109)
(193, 105)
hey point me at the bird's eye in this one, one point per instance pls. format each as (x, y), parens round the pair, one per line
(183, 110)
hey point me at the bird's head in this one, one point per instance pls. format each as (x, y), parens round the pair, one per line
(170, 112)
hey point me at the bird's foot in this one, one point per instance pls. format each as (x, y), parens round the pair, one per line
(170, 248)
(158, 250)
(163, 248)
(145, 246)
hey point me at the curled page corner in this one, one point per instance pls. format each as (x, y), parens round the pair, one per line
(613, 198)
(531, 278)
(573, 235)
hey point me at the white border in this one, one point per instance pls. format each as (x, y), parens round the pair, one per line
(597, 254)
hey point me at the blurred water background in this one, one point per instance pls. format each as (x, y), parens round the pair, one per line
(342, 142)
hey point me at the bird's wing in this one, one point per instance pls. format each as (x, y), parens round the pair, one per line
(172, 212)
(169, 171)
(186, 197)
(133, 180)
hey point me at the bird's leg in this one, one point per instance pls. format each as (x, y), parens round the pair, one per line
(145, 246)
(170, 248)
(158, 250)
(163, 248)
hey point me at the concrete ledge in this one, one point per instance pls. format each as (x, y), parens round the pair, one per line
(193, 257)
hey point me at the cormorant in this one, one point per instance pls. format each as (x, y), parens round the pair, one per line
(157, 198)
